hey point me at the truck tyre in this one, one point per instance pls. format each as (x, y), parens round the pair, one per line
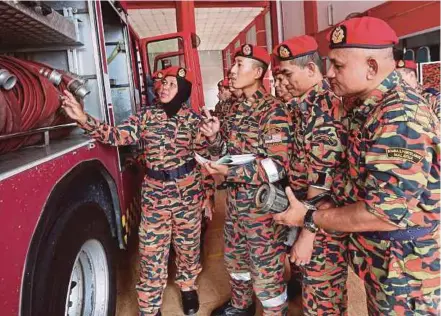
(76, 276)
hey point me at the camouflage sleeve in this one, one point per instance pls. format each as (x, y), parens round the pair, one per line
(218, 109)
(126, 133)
(435, 101)
(325, 138)
(275, 141)
(208, 184)
(200, 142)
(218, 147)
(400, 165)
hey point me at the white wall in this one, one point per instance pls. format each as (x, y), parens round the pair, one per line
(212, 72)
(340, 10)
(293, 18)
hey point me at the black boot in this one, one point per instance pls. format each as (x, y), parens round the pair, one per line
(190, 302)
(229, 310)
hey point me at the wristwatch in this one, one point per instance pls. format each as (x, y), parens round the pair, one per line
(308, 221)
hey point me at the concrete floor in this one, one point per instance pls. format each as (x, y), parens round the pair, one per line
(213, 281)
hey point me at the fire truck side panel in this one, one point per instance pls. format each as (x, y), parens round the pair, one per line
(22, 200)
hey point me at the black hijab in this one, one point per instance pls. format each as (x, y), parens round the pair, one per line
(184, 92)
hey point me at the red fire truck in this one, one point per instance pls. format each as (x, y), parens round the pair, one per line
(68, 204)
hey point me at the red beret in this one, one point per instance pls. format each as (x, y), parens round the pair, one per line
(158, 74)
(254, 52)
(409, 64)
(364, 32)
(296, 47)
(179, 72)
(223, 83)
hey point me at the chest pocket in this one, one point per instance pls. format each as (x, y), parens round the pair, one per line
(151, 136)
(249, 132)
(183, 134)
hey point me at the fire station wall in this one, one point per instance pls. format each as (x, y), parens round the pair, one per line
(293, 18)
(338, 10)
(212, 72)
(293, 14)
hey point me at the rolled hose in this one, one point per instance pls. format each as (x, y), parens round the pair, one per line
(34, 100)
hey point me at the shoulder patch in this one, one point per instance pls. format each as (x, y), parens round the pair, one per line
(405, 154)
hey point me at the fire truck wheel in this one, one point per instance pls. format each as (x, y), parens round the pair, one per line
(80, 277)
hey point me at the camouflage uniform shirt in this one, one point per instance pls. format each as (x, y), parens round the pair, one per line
(259, 126)
(432, 97)
(394, 164)
(319, 139)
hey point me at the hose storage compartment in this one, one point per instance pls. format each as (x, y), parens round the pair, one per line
(33, 101)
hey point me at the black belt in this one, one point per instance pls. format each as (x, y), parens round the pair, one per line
(411, 233)
(172, 174)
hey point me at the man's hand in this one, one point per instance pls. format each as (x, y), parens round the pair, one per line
(295, 213)
(216, 169)
(72, 108)
(303, 248)
(211, 126)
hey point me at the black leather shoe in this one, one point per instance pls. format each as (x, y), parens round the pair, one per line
(229, 310)
(190, 302)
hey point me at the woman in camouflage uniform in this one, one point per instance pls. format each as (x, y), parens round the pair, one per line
(172, 190)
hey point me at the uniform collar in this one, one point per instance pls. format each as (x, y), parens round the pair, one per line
(310, 95)
(419, 89)
(378, 94)
(315, 90)
(257, 95)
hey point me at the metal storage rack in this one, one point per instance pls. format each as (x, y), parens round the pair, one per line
(23, 27)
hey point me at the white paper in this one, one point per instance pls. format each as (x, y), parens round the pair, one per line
(228, 159)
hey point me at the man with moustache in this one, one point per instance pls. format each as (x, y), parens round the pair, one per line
(280, 85)
(254, 249)
(391, 191)
(317, 159)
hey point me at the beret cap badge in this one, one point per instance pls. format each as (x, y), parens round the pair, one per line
(181, 73)
(246, 50)
(284, 52)
(338, 35)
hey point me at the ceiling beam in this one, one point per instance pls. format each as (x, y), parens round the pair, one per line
(231, 4)
(136, 5)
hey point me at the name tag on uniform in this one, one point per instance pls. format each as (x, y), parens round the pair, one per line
(273, 138)
(405, 154)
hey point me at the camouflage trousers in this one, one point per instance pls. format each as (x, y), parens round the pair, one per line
(171, 215)
(401, 277)
(324, 278)
(254, 254)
